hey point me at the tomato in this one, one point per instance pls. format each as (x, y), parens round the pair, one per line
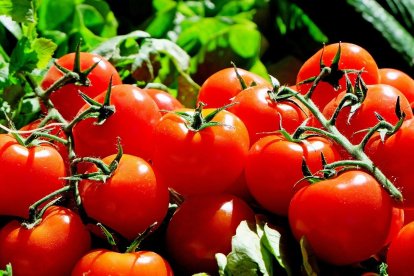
(274, 168)
(102, 262)
(50, 248)
(393, 157)
(203, 161)
(352, 57)
(133, 121)
(129, 201)
(400, 254)
(67, 99)
(201, 227)
(345, 219)
(163, 99)
(380, 99)
(262, 115)
(399, 80)
(219, 88)
(27, 175)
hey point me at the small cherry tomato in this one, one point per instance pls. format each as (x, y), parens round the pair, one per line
(400, 253)
(399, 80)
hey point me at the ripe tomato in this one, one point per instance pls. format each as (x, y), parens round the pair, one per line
(352, 57)
(222, 86)
(380, 99)
(400, 253)
(50, 248)
(27, 175)
(163, 99)
(399, 80)
(102, 262)
(274, 167)
(345, 219)
(133, 121)
(204, 161)
(261, 115)
(203, 226)
(67, 99)
(393, 157)
(129, 201)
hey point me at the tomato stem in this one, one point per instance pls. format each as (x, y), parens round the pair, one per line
(133, 247)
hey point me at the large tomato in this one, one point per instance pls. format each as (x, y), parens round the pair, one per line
(394, 158)
(400, 253)
(203, 226)
(102, 262)
(164, 100)
(222, 86)
(262, 115)
(399, 80)
(274, 167)
(129, 201)
(50, 248)
(380, 99)
(345, 219)
(201, 161)
(133, 121)
(67, 99)
(352, 57)
(27, 175)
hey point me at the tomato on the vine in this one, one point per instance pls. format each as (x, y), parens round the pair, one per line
(222, 86)
(50, 248)
(163, 99)
(274, 168)
(345, 219)
(67, 99)
(27, 175)
(203, 226)
(129, 201)
(400, 254)
(103, 262)
(400, 80)
(352, 57)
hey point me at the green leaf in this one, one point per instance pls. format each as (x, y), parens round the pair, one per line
(20, 10)
(164, 18)
(44, 49)
(245, 41)
(8, 270)
(309, 260)
(398, 37)
(12, 26)
(53, 14)
(23, 57)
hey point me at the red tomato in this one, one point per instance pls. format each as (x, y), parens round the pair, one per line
(133, 121)
(102, 262)
(50, 248)
(67, 99)
(261, 115)
(129, 201)
(400, 254)
(352, 57)
(163, 99)
(380, 98)
(27, 175)
(203, 226)
(345, 219)
(222, 86)
(399, 80)
(274, 167)
(204, 161)
(394, 158)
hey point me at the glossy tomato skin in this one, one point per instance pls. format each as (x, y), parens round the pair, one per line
(129, 201)
(346, 219)
(133, 121)
(200, 162)
(27, 175)
(400, 80)
(102, 262)
(67, 99)
(400, 253)
(50, 248)
(380, 99)
(274, 168)
(163, 99)
(393, 157)
(352, 57)
(261, 115)
(222, 86)
(203, 226)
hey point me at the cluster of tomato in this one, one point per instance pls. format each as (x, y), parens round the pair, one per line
(235, 153)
